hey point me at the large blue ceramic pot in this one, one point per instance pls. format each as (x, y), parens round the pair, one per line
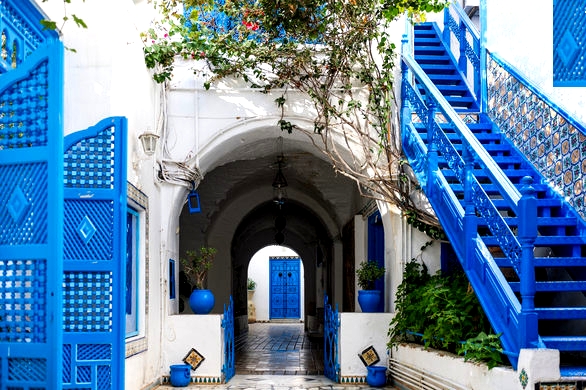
(202, 301)
(376, 375)
(368, 300)
(180, 375)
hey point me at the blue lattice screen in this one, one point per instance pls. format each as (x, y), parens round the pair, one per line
(94, 254)
(31, 200)
(20, 32)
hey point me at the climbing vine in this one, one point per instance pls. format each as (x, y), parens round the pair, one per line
(338, 54)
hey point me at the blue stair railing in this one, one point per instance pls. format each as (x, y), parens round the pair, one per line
(497, 209)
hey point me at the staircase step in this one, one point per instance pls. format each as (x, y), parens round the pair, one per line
(561, 313)
(565, 343)
(439, 69)
(494, 189)
(501, 204)
(550, 262)
(433, 59)
(544, 221)
(428, 41)
(429, 50)
(572, 372)
(455, 138)
(553, 286)
(543, 240)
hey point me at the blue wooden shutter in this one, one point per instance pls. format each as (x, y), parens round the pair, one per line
(31, 217)
(94, 257)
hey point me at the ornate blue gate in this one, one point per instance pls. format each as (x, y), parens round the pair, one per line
(331, 330)
(94, 257)
(229, 367)
(31, 200)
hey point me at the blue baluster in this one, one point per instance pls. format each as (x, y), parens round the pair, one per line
(462, 60)
(527, 234)
(432, 153)
(470, 219)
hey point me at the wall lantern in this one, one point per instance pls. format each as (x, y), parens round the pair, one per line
(193, 202)
(149, 142)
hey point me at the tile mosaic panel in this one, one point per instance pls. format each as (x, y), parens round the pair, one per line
(554, 145)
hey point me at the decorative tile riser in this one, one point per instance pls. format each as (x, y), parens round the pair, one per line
(353, 379)
(201, 380)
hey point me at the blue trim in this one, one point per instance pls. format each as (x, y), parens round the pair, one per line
(172, 283)
(376, 252)
(517, 74)
(133, 231)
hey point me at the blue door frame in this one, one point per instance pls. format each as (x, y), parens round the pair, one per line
(376, 251)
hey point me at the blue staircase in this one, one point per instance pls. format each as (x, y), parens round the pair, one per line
(521, 244)
(439, 64)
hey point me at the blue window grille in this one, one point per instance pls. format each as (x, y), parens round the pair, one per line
(132, 272)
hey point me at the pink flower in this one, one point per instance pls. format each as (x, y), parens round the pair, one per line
(250, 25)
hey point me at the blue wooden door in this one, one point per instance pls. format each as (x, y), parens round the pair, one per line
(285, 287)
(31, 208)
(376, 251)
(95, 257)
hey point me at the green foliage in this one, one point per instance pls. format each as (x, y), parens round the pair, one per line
(338, 53)
(433, 231)
(439, 312)
(250, 284)
(197, 264)
(485, 348)
(368, 273)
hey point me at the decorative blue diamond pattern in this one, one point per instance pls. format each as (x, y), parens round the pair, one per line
(17, 205)
(86, 229)
(567, 49)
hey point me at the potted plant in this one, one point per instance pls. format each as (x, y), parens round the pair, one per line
(368, 273)
(196, 265)
(250, 284)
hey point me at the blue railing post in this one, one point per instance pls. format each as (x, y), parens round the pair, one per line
(527, 234)
(470, 219)
(432, 153)
(446, 31)
(463, 60)
(483, 97)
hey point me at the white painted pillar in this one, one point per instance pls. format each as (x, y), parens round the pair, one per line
(360, 251)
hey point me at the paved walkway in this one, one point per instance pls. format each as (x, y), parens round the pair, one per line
(278, 349)
(278, 356)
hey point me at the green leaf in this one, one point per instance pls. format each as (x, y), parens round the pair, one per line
(48, 24)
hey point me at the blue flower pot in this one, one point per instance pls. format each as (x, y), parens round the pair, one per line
(180, 375)
(376, 376)
(201, 301)
(368, 300)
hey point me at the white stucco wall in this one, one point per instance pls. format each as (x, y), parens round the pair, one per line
(359, 331)
(202, 332)
(258, 270)
(107, 76)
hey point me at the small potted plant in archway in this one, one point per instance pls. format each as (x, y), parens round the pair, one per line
(368, 273)
(196, 265)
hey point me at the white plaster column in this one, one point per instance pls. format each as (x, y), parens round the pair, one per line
(360, 251)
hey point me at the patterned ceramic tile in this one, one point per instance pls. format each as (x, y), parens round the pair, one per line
(556, 147)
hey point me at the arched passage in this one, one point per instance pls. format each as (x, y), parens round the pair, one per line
(238, 218)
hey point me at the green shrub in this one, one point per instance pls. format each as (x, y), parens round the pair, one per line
(440, 312)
